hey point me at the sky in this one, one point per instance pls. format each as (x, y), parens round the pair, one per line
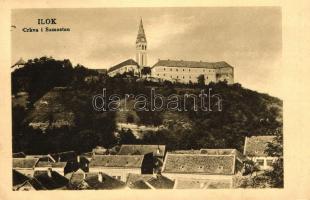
(248, 38)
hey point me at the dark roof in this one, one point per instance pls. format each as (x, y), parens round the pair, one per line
(191, 64)
(161, 182)
(147, 181)
(51, 164)
(34, 183)
(199, 164)
(122, 64)
(24, 162)
(19, 178)
(65, 156)
(256, 145)
(119, 161)
(101, 71)
(19, 155)
(108, 182)
(136, 149)
(54, 181)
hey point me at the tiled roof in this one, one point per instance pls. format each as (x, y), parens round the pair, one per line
(199, 164)
(54, 181)
(122, 64)
(138, 181)
(137, 149)
(119, 161)
(202, 184)
(191, 151)
(191, 64)
(24, 162)
(108, 182)
(235, 152)
(51, 164)
(65, 156)
(256, 145)
(19, 155)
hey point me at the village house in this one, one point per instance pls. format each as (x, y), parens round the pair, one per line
(255, 149)
(80, 180)
(25, 166)
(119, 166)
(59, 167)
(207, 169)
(148, 181)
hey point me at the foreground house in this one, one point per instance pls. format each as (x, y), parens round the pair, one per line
(81, 180)
(25, 166)
(147, 181)
(119, 166)
(255, 149)
(207, 169)
(59, 167)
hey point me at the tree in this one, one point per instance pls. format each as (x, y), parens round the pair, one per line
(127, 137)
(146, 71)
(201, 80)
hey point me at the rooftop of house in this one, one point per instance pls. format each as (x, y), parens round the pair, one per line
(34, 183)
(136, 149)
(50, 181)
(117, 161)
(25, 162)
(235, 152)
(19, 178)
(19, 155)
(199, 164)
(147, 181)
(64, 156)
(256, 145)
(51, 164)
(106, 182)
(191, 64)
(122, 64)
(201, 184)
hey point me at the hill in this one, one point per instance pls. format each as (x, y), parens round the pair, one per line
(64, 116)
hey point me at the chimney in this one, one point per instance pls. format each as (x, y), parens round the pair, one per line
(49, 172)
(100, 177)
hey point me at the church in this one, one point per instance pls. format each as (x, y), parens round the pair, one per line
(173, 70)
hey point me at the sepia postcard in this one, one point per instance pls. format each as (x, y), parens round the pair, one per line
(154, 101)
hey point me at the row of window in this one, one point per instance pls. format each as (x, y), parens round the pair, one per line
(183, 77)
(188, 69)
(262, 161)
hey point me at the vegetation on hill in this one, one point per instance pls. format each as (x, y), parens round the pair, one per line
(244, 112)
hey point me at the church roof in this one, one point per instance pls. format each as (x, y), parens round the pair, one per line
(191, 64)
(141, 35)
(122, 64)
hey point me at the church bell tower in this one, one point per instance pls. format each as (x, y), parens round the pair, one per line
(141, 46)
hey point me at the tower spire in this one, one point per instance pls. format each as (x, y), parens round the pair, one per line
(141, 46)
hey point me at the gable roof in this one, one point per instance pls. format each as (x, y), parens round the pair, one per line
(199, 164)
(34, 183)
(65, 156)
(19, 178)
(51, 164)
(25, 162)
(256, 145)
(54, 181)
(191, 64)
(118, 161)
(108, 182)
(136, 149)
(122, 64)
(19, 155)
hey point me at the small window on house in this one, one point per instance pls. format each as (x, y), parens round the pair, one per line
(260, 162)
(269, 162)
(182, 167)
(189, 70)
(170, 69)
